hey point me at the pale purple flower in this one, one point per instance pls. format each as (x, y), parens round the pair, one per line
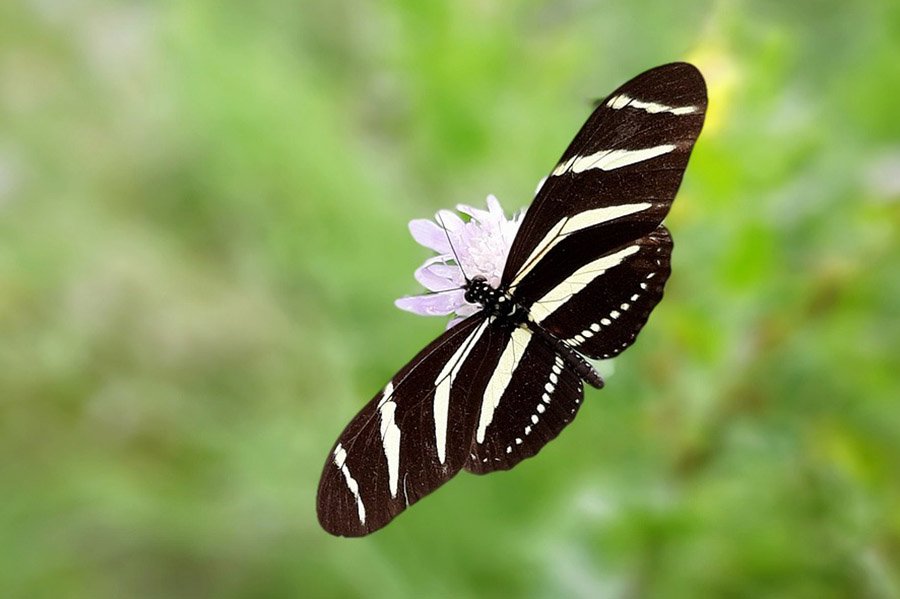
(481, 244)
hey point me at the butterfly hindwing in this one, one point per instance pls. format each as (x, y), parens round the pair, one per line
(531, 397)
(599, 309)
(413, 436)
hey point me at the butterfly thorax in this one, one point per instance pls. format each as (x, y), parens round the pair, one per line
(496, 302)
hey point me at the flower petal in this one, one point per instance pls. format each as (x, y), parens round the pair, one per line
(433, 277)
(455, 321)
(443, 266)
(442, 259)
(463, 312)
(430, 235)
(495, 209)
(467, 309)
(449, 219)
(450, 272)
(436, 304)
(477, 214)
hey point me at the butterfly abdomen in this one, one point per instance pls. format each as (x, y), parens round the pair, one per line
(571, 357)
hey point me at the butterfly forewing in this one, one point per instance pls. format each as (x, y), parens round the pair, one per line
(623, 168)
(412, 436)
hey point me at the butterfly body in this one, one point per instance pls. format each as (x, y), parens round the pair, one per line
(587, 265)
(495, 302)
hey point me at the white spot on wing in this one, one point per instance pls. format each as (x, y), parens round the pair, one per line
(340, 456)
(617, 102)
(387, 394)
(621, 101)
(608, 160)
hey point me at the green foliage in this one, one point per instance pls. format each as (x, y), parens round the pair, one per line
(203, 212)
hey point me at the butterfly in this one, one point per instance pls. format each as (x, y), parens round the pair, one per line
(585, 269)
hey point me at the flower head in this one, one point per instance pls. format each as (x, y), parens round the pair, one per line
(481, 245)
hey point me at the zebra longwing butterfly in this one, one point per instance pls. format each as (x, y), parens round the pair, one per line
(584, 271)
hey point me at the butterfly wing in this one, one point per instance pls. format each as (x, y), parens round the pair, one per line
(616, 180)
(413, 436)
(531, 396)
(601, 307)
(591, 258)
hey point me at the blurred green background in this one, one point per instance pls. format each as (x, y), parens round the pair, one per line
(203, 212)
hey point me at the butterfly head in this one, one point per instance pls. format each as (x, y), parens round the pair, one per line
(479, 291)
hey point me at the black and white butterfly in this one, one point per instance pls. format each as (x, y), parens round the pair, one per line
(586, 268)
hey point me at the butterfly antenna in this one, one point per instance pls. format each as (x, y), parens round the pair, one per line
(450, 243)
